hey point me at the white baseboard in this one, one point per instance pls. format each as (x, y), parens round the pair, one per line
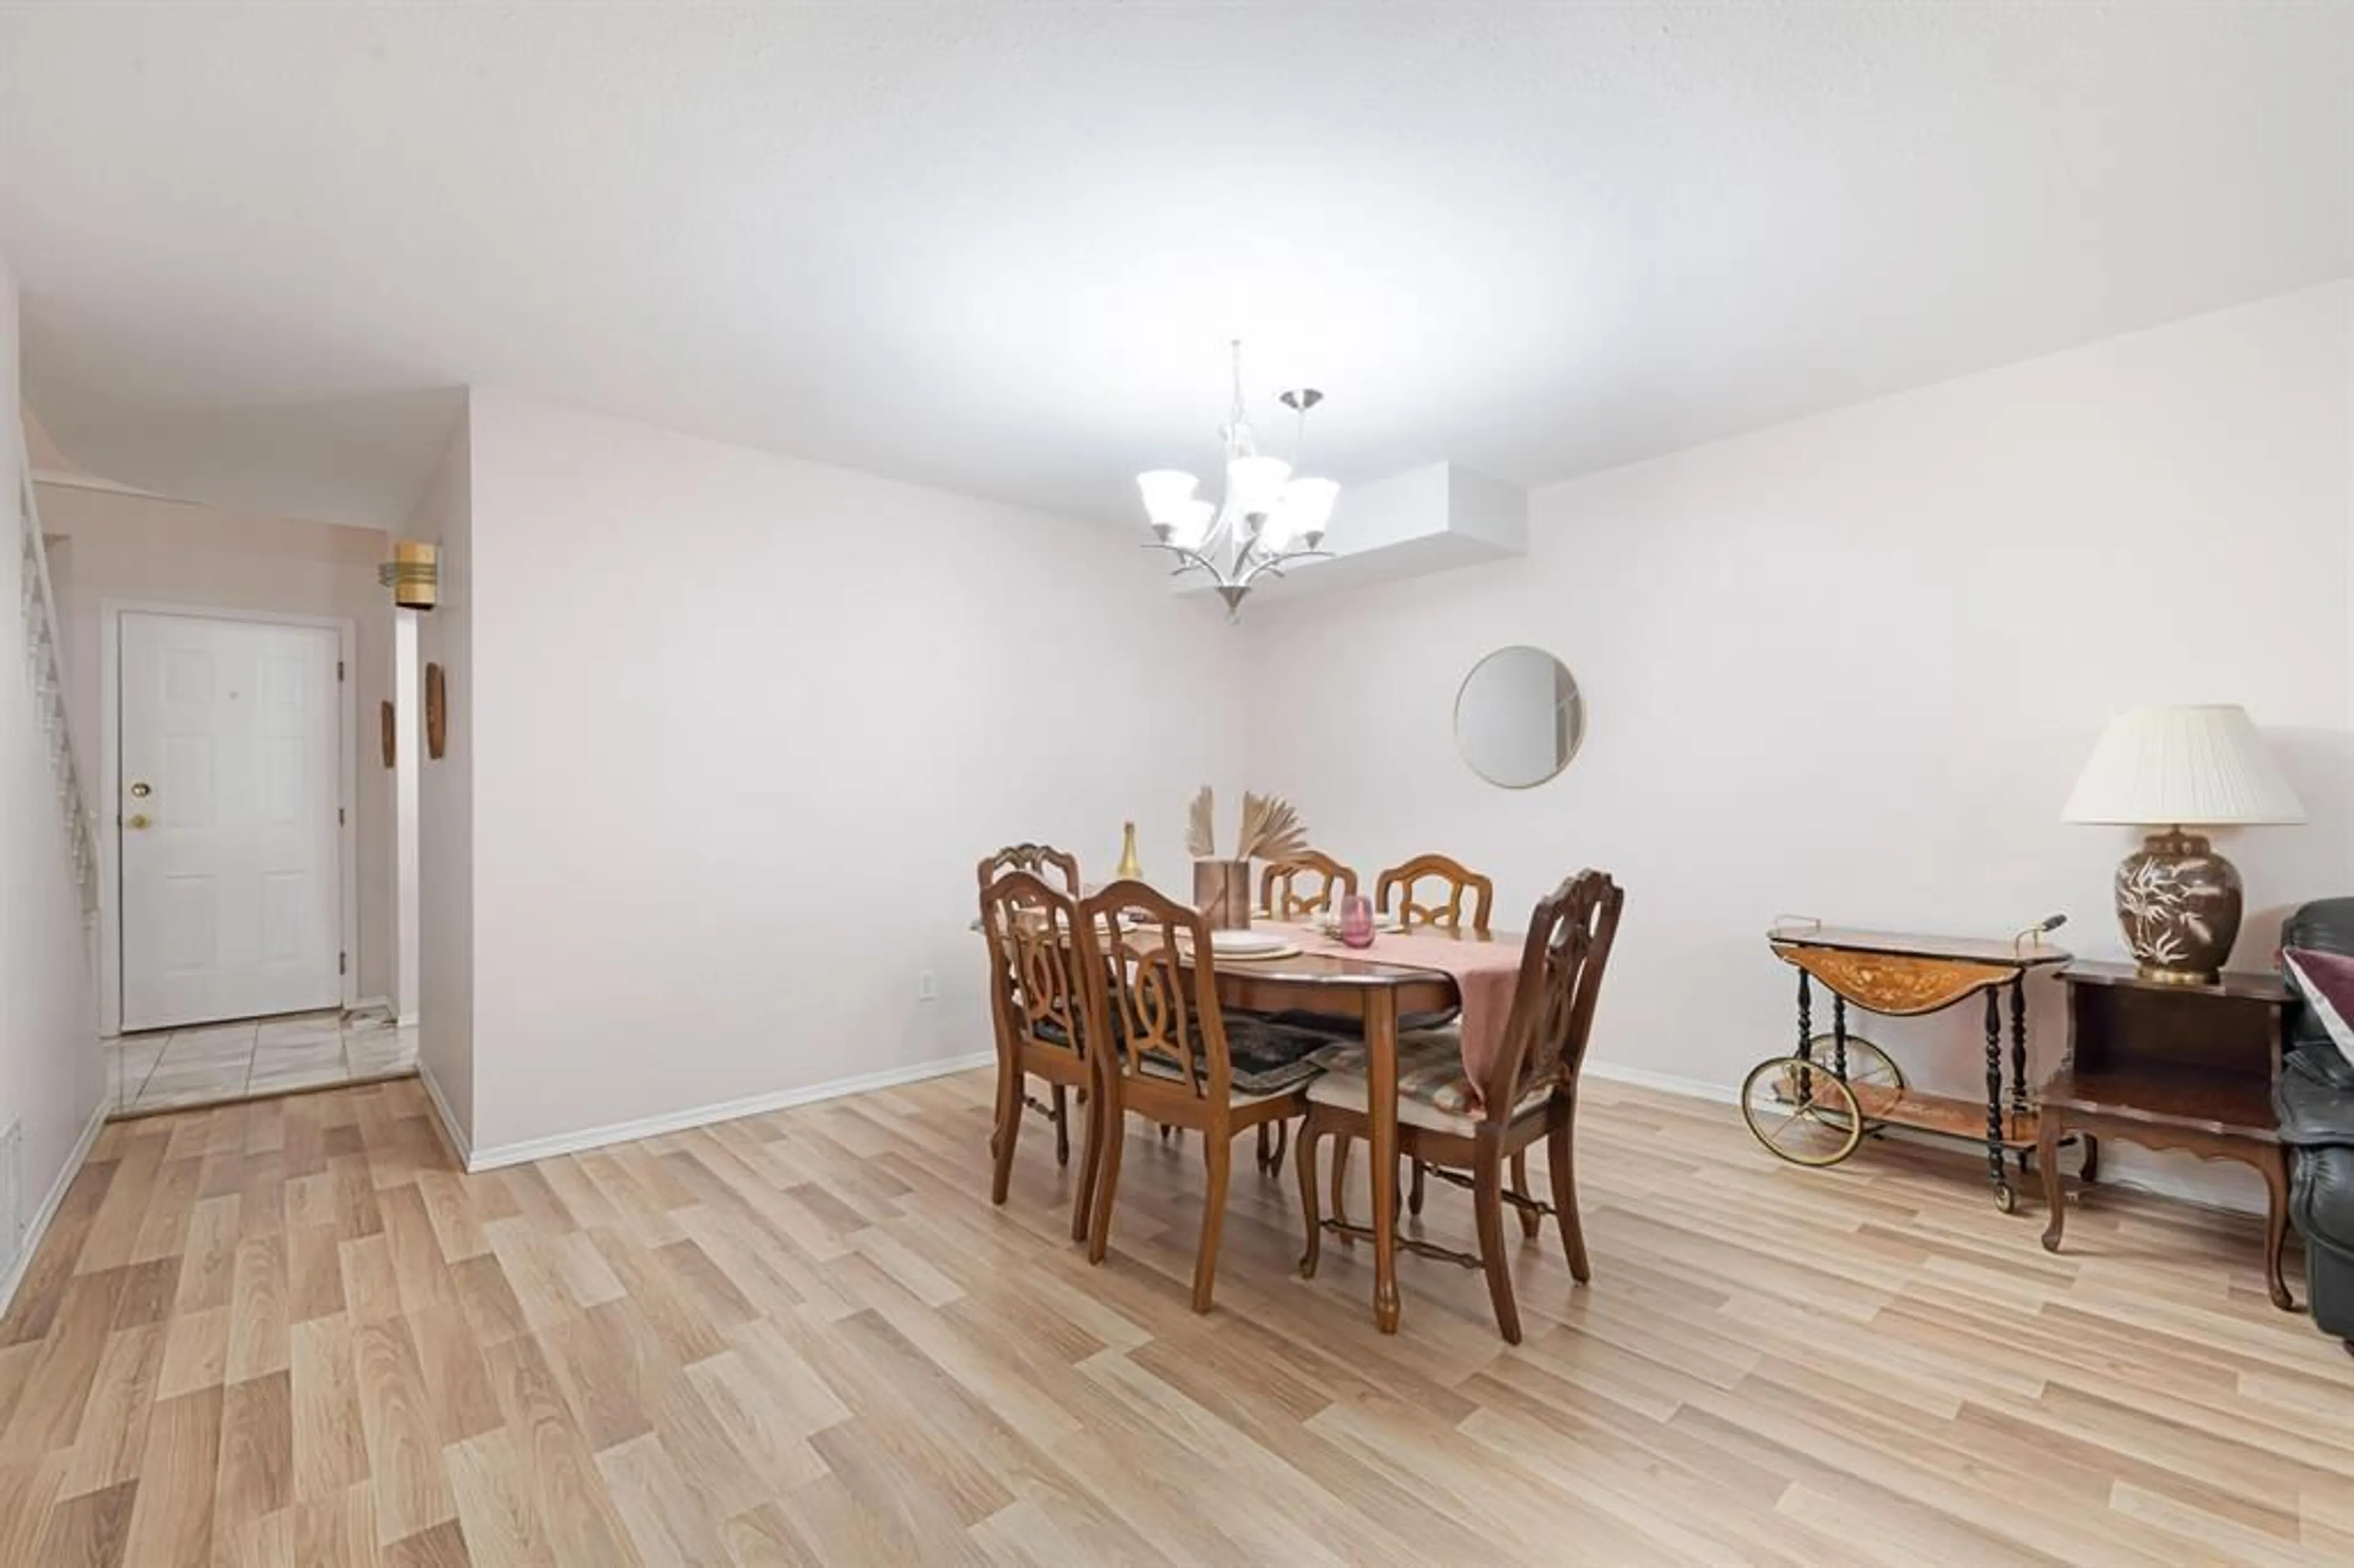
(366, 1003)
(451, 1133)
(38, 1225)
(2119, 1168)
(703, 1115)
(1643, 1077)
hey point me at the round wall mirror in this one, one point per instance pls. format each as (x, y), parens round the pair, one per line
(1518, 718)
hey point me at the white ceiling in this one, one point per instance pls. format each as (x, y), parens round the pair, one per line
(999, 248)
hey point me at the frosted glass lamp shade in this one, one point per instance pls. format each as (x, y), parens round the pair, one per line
(1193, 524)
(1307, 507)
(2189, 767)
(1255, 483)
(1167, 493)
(1276, 534)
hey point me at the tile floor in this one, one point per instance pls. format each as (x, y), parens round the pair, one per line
(269, 1056)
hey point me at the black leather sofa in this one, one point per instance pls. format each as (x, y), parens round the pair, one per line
(2316, 1103)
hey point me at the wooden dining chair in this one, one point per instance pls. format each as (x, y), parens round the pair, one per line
(1297, 888)
(1279, 897)
(1036, 859)
(1152, 995)
(1460, 885)
(1530, 1094)
(1051, 865)
(1456, 883)
(1039, 1010)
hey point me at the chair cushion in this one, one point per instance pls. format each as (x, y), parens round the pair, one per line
(1267, 1058)
(1341, 1028)
(1054, 1034)
(1432, 1090)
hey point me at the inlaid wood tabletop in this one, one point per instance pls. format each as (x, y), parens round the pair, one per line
(2026, 951)
(291, 1332)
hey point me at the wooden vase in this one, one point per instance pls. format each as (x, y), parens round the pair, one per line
(1222, 893)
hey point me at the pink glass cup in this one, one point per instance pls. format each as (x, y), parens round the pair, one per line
(1356, 921)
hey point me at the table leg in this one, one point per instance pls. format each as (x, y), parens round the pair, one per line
(2003, 1197)
(2048, 1132)
(1806, 1040)
(2019, 1055)
(2273, 1163)
(1381, 1115)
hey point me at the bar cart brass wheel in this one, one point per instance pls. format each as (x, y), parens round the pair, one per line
(1798, 1108)
(2006, 1198)
(1871, 1074)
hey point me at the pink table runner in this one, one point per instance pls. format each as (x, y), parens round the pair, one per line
(1485, 973)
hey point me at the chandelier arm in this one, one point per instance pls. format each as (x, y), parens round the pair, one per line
(1187, 559)
(1273, 566)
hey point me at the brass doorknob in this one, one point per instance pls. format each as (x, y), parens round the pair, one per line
(137, 821)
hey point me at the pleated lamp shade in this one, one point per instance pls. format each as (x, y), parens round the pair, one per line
(2187, 767)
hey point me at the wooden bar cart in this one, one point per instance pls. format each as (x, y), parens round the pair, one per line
(1815, 1106)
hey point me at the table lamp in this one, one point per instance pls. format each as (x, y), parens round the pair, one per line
(2168, 769)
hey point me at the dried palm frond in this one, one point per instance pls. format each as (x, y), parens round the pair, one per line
(1271, 829)
(1201, 831)
(1246, 831)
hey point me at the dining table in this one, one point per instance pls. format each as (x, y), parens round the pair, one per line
(1322, 979)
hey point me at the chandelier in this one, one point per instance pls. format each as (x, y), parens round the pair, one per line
(1267, 520)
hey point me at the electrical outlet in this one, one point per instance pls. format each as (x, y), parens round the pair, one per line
(928, 986)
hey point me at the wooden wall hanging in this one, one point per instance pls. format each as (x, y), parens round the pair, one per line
(437, 713)
(387, 732)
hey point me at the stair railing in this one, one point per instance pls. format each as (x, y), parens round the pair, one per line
(45, 665)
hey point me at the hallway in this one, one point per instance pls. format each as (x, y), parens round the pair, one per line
(217, 1063)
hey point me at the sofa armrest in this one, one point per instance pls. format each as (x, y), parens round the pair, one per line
(2315, 1099)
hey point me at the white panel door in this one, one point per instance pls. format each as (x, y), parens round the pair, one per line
(231, 852)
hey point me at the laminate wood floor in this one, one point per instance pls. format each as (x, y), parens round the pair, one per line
(291, 1333)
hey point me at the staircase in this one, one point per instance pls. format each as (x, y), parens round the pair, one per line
(44, 637)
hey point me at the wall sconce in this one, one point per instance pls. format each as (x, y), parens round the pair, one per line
(414, 574)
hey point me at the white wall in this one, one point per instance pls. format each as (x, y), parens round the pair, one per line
(123, 547)
(52, 1075)
(1849, 667)
(743, 725)
(445, 791)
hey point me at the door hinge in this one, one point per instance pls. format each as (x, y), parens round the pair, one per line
(339, 816)
(339, 669)
(343, 962)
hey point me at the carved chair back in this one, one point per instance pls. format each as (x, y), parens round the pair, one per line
(1036, 859)
(1451, 888)
(1570, 933)
(1036, 996)
(1147, 970)
(1327, 880)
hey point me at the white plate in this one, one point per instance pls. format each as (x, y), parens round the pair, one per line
(1244, 943)
(1254, 955)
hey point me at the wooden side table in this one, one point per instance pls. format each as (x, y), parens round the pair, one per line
(2171, 1066)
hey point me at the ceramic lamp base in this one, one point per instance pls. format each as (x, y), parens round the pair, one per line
(2178, 904)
